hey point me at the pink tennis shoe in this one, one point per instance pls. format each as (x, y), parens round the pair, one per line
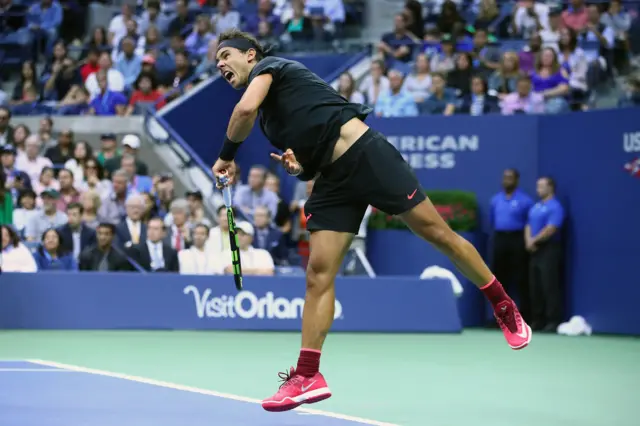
(515, 330)
(297, 390)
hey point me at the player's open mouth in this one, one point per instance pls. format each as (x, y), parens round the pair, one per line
(228, 75)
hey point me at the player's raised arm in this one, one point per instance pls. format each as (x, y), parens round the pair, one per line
(245, 113)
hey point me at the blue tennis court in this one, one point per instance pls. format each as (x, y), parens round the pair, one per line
(43, 393)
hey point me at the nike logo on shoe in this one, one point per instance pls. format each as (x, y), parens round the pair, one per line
(306, 388)
(409, 197)
(524, 333)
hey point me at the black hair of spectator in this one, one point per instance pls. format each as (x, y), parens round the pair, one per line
(485, 88)
(224, 207)
(92, 40)
(571, 44)
(234, 33)
(524, 77)
(75, 206)
(159, 219)
(14, 238)
(202, 225)
(34, 74)
(110, 226)
(153, 4)
(7, 110)
(441, 75)
(25, 193)
(151, 76)
(514, 171)
(60, 250)
(87, 148)
(93, 50)
(99, 167)
(27, 130)
(49, 120)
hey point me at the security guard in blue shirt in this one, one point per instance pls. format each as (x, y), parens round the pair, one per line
(508, 216)
(542, 237)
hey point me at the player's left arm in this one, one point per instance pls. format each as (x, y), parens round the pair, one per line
(245, 113)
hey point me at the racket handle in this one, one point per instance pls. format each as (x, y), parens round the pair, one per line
(226, 191)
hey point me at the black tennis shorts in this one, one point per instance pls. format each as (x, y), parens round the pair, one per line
(371, 172)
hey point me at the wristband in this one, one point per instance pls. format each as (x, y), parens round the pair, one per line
(229, 149)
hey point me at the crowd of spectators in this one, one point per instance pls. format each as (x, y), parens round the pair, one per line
(67, 206)
(146, 53)
(535, 58)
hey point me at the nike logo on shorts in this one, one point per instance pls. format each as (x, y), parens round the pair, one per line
(309, 216)
(409, 197)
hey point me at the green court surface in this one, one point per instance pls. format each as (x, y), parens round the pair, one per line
(472, 379)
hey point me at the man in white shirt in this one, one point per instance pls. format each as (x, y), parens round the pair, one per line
(551, 36)
(118, 25)
(115, 79)
(32, 162)
(254, 261)
(529, 18)
(198, 260)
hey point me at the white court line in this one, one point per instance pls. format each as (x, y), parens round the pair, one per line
(201, 391)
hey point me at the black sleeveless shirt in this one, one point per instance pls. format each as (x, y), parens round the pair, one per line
(302, 112)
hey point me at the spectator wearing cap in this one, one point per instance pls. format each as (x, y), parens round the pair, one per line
(101, 256)
(199, 259)
(26, 210)
(51, 255)
(32, 162)
(131, 230)
(551, 36)
(113, 208)
(255, 261)
(16, 179)
(128, 63)
(107, 102)
(48, 217)
(179, 232)
(149, 64)
(130, 146)
(68, 193)
(396, 102)
(6, 130)
(63, 150)
(155, 254)
(76, 235)
(16, 257)
(108, 148)
(137, 183)
(114, 78)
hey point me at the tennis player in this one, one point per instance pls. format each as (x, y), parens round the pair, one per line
(324, 137)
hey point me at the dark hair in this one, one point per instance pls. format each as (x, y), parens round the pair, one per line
(484, 82)
(73, 206)
(159, 219)
(515, 172)
(572, 43)
(3, 180)
(60, 250)
(7, 110)
(65, 170)
(220, 209)
(26, 193)
(14, 238)
(110, 226)
(99, 167)
(151, 76)
(235, 33)
(524, 77)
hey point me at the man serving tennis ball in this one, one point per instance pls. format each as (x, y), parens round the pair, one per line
(323, 136)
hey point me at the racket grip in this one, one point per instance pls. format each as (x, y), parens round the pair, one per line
(226, 191)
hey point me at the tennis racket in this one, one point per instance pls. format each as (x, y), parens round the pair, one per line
(233, 235)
